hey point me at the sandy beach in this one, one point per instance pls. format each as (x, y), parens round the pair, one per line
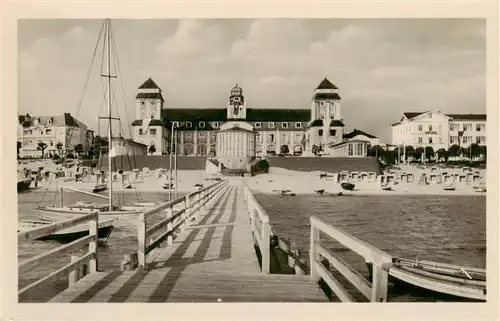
(308, 182)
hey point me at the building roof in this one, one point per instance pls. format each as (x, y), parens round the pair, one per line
(336, 123)
(152, 122)
(356, 132)
(326, 84)
(326, 96)
(149, 96)
(467, 116)
(149, 84)
(58, 120)
(128, 140)
(194, 114)
(220, 114)
(411, 115)
(298, 115)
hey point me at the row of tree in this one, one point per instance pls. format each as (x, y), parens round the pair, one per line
(411, 153)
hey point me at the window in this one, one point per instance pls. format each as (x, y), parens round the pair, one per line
(215, 124)
(189, 136)
(201, 135)
(430, 140)
(298, 125)
(176, 124)
(350, 149)
(420, 140)
(333, 132)
(467, 127)
(189, 124)
(420, 128)
(140, 131)
(430, 128)
(454, 126)
(480, 127)
(271, 125)
(214, 136)
(152, 132)
(320, 132)
(440, 139)
(284, 125)
(271, 138)
(480, 139)
(298, 137)
(258, 125)
(202, 124)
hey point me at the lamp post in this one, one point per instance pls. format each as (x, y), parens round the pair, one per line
(170, 163)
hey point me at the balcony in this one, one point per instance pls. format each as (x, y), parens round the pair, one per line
(431, 132)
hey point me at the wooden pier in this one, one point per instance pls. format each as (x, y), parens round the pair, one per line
(213, 245)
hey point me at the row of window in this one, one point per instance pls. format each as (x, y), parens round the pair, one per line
(454, 140)
(333, 132)
(48, 131)
(257, 124)
(453, 127)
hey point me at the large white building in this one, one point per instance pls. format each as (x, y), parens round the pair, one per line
(438, 130)
(51, 130)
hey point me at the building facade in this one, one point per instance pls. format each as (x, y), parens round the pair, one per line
(274, 131)
(149, 127)
(123, 146)
(432, 128)
(235, 146)
(61, 134)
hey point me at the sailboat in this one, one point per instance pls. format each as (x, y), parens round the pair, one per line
(111, 210)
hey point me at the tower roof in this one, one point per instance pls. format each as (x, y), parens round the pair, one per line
(326, 84)
(236, 91)
(149, 84)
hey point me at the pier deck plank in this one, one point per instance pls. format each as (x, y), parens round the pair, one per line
(212, 261)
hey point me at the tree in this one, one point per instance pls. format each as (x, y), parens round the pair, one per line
(42, 147)
(443, 153)
(152, 149)
(474, 150)
(418, 153)
(409, 151)
(284, 149)
(482, 151)
(59, 147)
(100, 145)
(429, 153)
(315, 149)
(19, 146)
(79, 149)
(454, 150)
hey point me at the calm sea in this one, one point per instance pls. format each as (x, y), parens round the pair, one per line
(448, 229)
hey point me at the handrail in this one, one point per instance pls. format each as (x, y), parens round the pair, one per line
(376, 291)
(77, 263)
(191, 204)
(259, 216)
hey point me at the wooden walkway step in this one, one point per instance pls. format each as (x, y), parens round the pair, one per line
(168, 285)
(214, 260)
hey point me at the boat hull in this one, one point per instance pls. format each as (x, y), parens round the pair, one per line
(23, 185)
(347, 186)
(438, 278)
(68, 235)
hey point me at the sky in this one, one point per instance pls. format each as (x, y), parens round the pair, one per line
(382, 67)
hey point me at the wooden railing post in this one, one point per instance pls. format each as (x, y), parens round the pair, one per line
(61, 200)
(75, 274)
(141, 240)
(313, 256)
(170, 225)
(185, 215)
(93, 231)
(379, 284)
(265, 248)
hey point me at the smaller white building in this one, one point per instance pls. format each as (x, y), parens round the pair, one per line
(236, 144)
(359, 135)
(438, 130)
(123, 146)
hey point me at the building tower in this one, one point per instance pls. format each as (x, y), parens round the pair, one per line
(149, 127)
(326, 126)
(236, 108)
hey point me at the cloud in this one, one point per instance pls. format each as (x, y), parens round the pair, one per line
(382, 66)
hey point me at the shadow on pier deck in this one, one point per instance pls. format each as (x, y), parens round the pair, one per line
(212, 260)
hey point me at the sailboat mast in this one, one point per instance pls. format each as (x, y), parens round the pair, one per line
(110, 133)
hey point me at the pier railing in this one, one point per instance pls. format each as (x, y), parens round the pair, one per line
(376, 291)
(76, 264)
(261, 228)
(178, 213)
